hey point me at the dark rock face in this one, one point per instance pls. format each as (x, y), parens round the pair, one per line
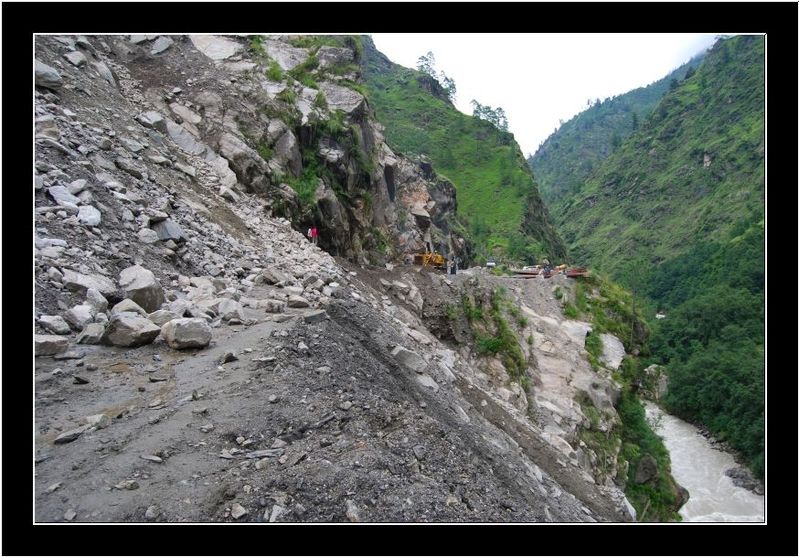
(647, 469)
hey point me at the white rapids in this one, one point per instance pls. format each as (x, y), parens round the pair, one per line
(699, 468)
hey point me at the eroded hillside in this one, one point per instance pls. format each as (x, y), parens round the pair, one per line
(199, 359)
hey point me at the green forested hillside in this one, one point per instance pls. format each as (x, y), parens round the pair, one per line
(496, 190)
(569, 156)
(692, 172)
(677, 212)
(566, 159)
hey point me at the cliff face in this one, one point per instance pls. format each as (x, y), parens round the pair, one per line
(288, 123)
(497, 193)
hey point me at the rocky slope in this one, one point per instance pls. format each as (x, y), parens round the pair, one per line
(199, 360)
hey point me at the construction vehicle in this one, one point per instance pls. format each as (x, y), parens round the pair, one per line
(429, 259)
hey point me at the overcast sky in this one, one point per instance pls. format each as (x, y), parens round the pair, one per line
(540, 79)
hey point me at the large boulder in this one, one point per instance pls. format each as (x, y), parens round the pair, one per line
(54, 324)
(612, 351)
(152, 119)
(92, 334)
(186, 333)
(647, 469)
(184, 139)
(287, 151)
(89, 216)
(229, 309)
(409, 359)
(141, 286)
(216, 48)
(169, 230)
(47, 76)
(47, 345)
(80, 316)
(79, 283)
(130, 329)
(284, 54)
(162, 317)
(334, 56)
(342, 98)
(128, 305)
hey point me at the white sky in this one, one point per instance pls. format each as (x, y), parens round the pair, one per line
(542, 78)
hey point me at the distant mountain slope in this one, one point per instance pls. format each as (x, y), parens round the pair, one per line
(496, 190)
(568, 156)
(678, 213)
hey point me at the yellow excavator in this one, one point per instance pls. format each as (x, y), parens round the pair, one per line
(429, 259)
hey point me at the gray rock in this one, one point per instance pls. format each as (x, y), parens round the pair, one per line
(129, 329)
(229, 309)
(216, 48)
(162, 316)
(152, 512)
(47, 126)
(81, 283)
(100, 421)
(79, 316)
(647, 469)
(334, 56)
(47, 76)
(152, 119)
(342, 98)
(61, 195)
(76, 58)
(161, 44)
(237, 511)
(89, 216)
(77, 186)
(184, 139)
(228, 194)
(287, 152)
(105, 72)
(168, 230)
(96, 300)
(128, 305)
(427, 381)
(409, 359)
(141, 286)
(70, 514)
(316, 316)
(187, 333)
(132, 145)
(419, 452)
(54, 324)
(277, 512)
(129, 166)
(48, 345)
(186, 169)
(612, 351)
(92, 334)
(147, 236)
(71, 435)
(284, 54)
(298, 302)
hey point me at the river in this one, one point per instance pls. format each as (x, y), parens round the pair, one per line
(700, 469)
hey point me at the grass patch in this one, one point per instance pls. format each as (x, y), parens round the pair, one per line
(274, 72)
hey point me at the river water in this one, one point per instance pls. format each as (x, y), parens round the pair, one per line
(700, 469)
